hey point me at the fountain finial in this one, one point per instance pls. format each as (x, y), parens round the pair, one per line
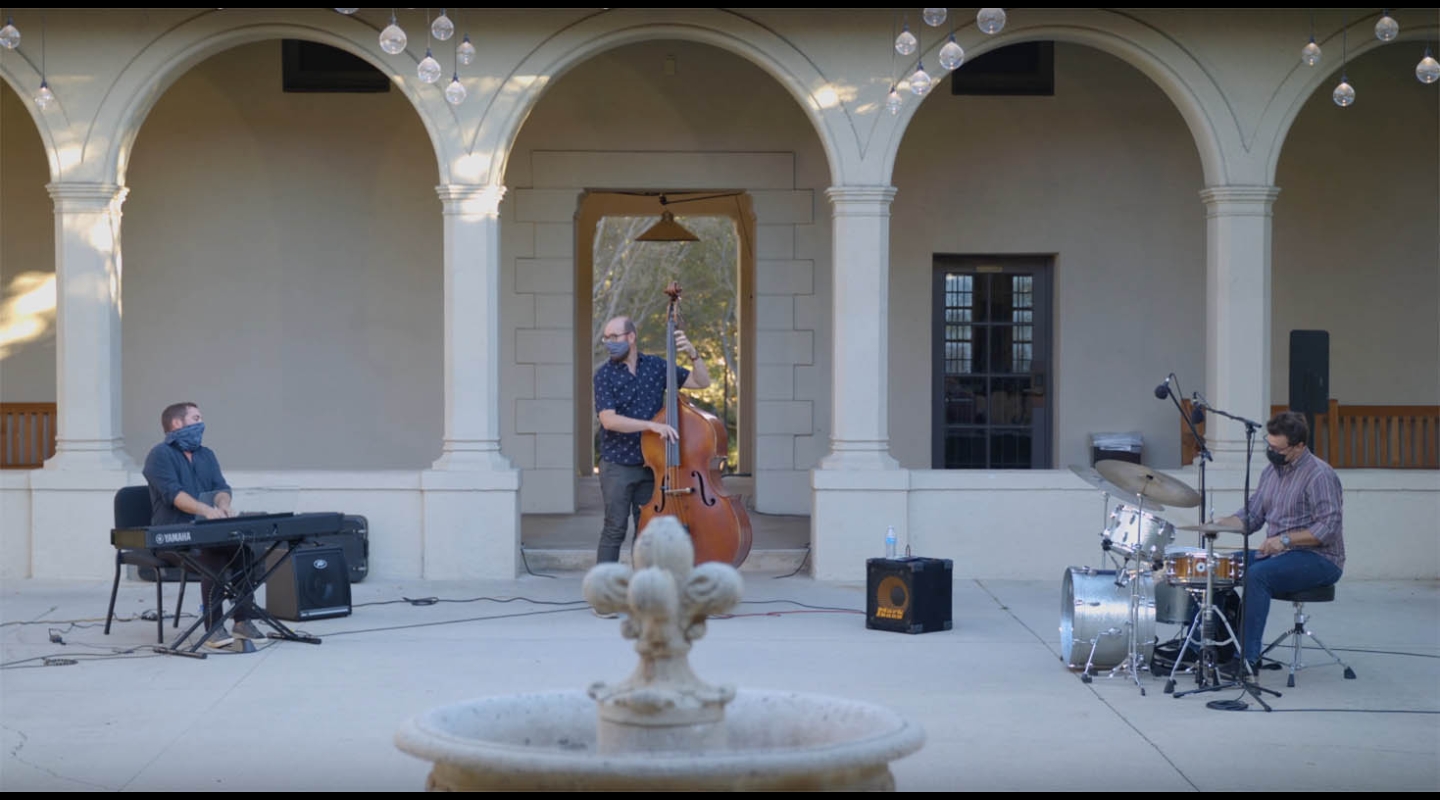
(666, 600)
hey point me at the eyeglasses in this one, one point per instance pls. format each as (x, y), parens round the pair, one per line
(613, 337)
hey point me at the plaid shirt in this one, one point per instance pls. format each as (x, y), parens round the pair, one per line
(1304, 494)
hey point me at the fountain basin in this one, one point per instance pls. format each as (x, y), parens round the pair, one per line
(781, 741)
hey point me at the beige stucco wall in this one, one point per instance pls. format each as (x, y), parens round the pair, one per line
(283, 270)
(1104, 177)
(292, 265)
(1357, 235)
(27, 256)
(619, 122)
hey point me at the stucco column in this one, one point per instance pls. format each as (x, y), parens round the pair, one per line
(472, 329)
(859, 425)
(87, 323)
(471, 496)
(1237, 314)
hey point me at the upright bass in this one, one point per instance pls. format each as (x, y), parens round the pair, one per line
(687, 471)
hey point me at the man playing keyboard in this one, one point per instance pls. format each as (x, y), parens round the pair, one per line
(186, 484)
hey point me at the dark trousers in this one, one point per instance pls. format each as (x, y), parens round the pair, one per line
(231, 561)
(625, 489)
(1290, 571)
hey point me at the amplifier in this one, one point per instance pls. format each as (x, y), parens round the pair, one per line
(909, 595)
(313, 583)
(354, 539)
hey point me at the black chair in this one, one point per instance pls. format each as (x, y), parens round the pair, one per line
(132, 510)
(1322, 594)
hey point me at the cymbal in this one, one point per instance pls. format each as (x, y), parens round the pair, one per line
(1210, 527)
(1149, 484)
(1092, 476)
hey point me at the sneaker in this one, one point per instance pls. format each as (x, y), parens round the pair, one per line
(597, 613)
(245, 629)
(220, 639)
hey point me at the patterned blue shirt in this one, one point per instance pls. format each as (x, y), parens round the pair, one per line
(638, 396)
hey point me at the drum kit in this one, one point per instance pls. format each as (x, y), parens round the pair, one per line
(1108, 616)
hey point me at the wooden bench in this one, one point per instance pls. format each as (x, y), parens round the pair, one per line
(27, 434)
(1361, 437)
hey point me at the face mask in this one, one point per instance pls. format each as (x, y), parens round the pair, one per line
(618, 350)
(1275, 458)
(187, 438)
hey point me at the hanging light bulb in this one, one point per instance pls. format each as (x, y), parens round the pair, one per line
(1428, 70)
(990, 20)
(905, 43)
(1310, 53)
(1344, 94)
(455, 92)
(9, 35)
(935, 17)
(429, 69)
(347, 10)
(392, 39)
(442, 28)
(44, 97)
(1387, 28)
(465, 53)
(920, 80)
(894, 101)
(952, 54)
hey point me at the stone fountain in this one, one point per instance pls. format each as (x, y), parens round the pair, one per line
(662, 727)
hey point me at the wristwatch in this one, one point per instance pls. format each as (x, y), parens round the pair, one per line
(1285, 540)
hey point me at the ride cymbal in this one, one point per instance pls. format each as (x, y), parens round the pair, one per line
(1147, 483)
(1092, 476)
(1210, 527)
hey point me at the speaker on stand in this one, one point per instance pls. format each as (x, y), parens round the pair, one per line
(1310, 375)
(909, 595)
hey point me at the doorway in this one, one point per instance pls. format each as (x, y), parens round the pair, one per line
(991, 328)
(623, 277)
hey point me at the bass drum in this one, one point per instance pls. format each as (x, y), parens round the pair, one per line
(1095, 615)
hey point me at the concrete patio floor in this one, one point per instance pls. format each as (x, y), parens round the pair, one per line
(1000, 710)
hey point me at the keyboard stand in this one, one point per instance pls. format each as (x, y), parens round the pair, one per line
(240, 591)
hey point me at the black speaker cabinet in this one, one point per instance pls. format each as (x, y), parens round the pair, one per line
(354, 539)
(1310, 372)
(314, 583)
(909, 595)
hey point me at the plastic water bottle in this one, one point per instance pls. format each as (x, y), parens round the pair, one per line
(890, 542)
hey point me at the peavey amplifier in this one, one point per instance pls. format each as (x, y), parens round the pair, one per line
(354, 539)
(909, 595)
(313, 583)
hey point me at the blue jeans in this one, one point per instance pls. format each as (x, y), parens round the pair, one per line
(625, 489)
(1290, 571)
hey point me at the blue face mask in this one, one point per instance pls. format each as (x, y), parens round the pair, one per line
(187, 438)
(618, 350)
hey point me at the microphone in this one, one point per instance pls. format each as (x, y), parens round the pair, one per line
(1197, 410)
(1163, 390)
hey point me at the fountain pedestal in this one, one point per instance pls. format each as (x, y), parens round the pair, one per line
(662, 728)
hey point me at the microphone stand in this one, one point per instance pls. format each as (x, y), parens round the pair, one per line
(1251, 687)
(1203, 451)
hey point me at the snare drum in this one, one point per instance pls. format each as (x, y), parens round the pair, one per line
(1188, 566)
(1138, 534)
(1095, 615)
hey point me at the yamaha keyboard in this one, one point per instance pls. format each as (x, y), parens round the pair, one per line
(256, 528)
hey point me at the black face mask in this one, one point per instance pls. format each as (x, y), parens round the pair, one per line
(1275, 458)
